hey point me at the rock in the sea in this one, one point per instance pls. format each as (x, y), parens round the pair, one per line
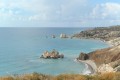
(61, 56)
(63, 36)
(53, 36)
(52, 55)
(83, 56)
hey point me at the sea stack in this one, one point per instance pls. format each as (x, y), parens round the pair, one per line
(63, 36)
(52, 55)
(53, 36)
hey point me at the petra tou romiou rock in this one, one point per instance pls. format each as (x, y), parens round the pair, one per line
(53, 36)
(63, 36)
(52, 55)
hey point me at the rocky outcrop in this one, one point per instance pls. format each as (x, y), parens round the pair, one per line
(117, 69)
(110, 56)
(104, 68)
(107, 59)
(63, 36)
(83, 56)
(53, 36)
(115, 65)
(52, 55)
(115, 41)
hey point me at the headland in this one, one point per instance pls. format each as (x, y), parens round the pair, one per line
(108, 59)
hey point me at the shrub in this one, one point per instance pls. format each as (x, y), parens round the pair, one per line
(37, 76)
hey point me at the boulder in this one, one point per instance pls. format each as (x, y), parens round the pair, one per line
(83, 56)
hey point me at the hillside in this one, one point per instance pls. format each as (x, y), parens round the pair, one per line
(37, 76)
(103, 33)
(107, 58)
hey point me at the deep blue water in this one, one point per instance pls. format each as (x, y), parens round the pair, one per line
(20, 49)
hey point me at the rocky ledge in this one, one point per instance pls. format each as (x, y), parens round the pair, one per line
(52, 55)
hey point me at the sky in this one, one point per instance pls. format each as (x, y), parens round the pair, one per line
(59, 13)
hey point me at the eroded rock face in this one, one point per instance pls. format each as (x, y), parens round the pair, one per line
(104, 68)
(115, 65)
(117, 69)
(106, 56)
(52, 55)
(83, 56)
(110, 56)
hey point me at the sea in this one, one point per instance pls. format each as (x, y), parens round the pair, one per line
(21, 48)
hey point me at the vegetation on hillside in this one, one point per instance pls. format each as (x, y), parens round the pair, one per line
(105, 33)
(37, 76)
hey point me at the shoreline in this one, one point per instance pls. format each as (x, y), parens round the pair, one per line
(111, 44)
(91, 66)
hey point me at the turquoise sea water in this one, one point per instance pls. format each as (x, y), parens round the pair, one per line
(20, 49)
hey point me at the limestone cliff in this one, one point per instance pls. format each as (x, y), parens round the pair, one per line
(109, 56)
(104, 58)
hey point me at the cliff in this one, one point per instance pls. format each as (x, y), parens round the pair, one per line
(109, 56)
(107, 59)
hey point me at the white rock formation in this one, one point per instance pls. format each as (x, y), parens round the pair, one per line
(63, 36)
(104, 68)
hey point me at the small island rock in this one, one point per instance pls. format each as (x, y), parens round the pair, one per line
(63, 36)
(53, 36)
(52, 55)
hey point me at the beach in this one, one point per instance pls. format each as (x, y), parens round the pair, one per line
(91, 66)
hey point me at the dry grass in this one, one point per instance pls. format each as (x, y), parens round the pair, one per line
(70, 77)
(110, 76)
(36, 76)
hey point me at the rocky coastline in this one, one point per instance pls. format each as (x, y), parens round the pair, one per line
(109, 34)
(108, 59)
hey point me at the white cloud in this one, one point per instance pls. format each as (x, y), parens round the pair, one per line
(108, 11)
(19, 9)
(41, 9)
(104, 14)
(58, 12)
(38, 17)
